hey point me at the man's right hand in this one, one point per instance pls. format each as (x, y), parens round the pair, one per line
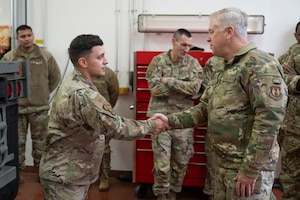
(161, 122)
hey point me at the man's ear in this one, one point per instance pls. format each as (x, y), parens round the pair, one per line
(82, 62)
(230, 30)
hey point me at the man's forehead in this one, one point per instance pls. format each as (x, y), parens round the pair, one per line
(24, 32)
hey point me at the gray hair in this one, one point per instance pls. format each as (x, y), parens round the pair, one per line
(232, 17)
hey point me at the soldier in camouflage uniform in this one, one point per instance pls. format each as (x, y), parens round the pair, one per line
(173, 78)
(283, 58)
(80, 119)
(244, 110)
(44, 77)
(108, 86)
(211, 67)
(290, 130)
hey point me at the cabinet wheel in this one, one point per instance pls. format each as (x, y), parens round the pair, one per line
(141, 190)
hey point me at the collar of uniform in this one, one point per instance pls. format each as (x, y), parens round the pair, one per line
(79, 77)
(169, 60)
(244, 50)
(35, 53)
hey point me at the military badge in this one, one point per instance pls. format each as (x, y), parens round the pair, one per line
(275, 92)
(108, 108)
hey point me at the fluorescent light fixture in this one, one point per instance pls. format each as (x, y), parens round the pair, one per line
(152, 23)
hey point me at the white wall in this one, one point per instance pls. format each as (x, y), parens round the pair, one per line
(58, 22)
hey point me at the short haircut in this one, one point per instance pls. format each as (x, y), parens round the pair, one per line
(180, 32)
(82, 45)
(23, 27)
(298, 24)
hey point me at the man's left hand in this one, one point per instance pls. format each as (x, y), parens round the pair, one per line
(244, 185)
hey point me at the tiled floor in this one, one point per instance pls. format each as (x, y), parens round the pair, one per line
(120, 190)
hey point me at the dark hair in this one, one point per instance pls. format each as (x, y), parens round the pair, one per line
(82, 45)
(298, 24)
(181, 32)
(23, 27)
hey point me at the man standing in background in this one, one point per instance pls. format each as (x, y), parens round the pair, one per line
(173, 78)
(212, 67)
(44, 78)
(290, 130)
(108, 87)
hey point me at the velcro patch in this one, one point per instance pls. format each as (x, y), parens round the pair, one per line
(107, 107)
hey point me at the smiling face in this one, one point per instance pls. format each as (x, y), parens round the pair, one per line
(94, 62)
(181, 47)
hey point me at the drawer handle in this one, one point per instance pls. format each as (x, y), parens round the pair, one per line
(199, 153)
(142, 67)
(199, 136)
(199, 164)
(199, 142)
(141, 112)
(142, 89)
(148, 150)
(147, 139)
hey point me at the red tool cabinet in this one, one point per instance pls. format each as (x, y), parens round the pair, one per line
(143, 155)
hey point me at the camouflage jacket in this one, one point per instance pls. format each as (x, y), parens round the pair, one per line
(283, 58)
(44, 77)
(291, 121)
(176, 95)
(244, 105)
(79, 118)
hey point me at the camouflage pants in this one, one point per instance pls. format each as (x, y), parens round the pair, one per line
(172, 151)
(105, 164)
(290, 173)
(225, 185)
(38, 122)
(210, 167)
(57, 191)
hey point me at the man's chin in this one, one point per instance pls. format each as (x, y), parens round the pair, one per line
(100, 75)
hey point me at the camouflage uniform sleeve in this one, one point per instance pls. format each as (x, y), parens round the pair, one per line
(293, 58)
(188, 87)
(153, 75)
(101, 117)
(190, 118)
(292, 82)
(283, 57)
(207, 71)
(268, 98)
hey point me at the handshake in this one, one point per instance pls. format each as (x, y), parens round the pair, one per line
(161, 123)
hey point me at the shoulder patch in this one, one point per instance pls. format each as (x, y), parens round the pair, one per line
(275, 92)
